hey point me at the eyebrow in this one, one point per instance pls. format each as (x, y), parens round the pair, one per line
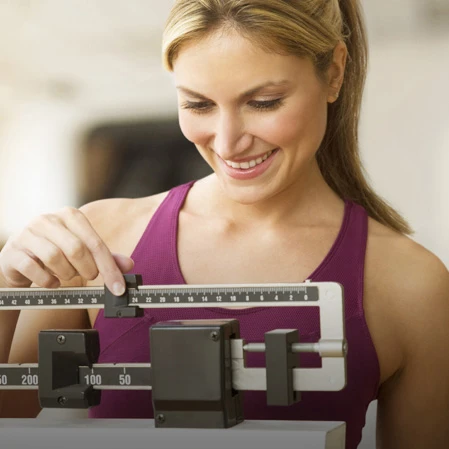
(244, 95)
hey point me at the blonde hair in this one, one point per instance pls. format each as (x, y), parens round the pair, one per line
(306, 28)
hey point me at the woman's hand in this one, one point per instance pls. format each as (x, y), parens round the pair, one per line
(58, 247)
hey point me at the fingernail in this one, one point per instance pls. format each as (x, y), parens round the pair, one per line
(118, 289)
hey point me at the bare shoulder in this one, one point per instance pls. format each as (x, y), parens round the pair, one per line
(116, 218)
(400, 264)
(406, 295)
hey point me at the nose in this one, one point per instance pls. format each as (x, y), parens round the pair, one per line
(231, 138)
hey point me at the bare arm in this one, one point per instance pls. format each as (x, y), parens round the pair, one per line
(54, 250)
(8, 321)
(413, 406)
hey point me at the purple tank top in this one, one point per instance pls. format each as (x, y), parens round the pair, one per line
(125, 340)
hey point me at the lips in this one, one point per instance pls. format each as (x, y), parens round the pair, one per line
(249, 163)
(252, 172)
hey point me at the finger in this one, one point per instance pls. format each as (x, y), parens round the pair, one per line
(80, 226)
(75, 251)
(125, 263)
(49, 254)
(23, 269)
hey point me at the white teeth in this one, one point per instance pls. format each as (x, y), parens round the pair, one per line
(249, 164)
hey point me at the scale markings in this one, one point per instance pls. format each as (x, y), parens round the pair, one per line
(146, 296)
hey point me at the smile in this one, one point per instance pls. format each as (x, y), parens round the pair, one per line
(249, 164)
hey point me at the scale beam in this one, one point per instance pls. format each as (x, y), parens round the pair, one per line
(137, 376)
(328, 296)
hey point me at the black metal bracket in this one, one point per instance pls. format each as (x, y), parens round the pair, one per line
(61, 353)
(191, 365)
(118, 306)
(280, 361)
(191, 371)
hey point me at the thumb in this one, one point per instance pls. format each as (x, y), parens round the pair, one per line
(123, 262)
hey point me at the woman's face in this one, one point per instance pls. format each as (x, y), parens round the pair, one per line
(257, 118)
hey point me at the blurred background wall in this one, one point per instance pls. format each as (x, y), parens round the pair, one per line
(86, 111)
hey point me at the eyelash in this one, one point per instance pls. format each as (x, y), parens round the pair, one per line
(201, 107)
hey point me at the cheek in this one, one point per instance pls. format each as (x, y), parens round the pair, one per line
(302, 125)
(193, 128)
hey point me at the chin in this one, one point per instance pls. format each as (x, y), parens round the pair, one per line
(249, 194)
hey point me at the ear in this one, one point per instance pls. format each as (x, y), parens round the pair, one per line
(336, 71)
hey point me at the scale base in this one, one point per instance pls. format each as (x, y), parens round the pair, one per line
(141, 433)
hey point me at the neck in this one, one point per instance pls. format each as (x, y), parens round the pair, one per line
(307, 202)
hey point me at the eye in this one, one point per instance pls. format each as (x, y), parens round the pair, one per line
(199, 107)
(268, 105)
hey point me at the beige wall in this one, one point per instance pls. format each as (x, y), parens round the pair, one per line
(58, 78)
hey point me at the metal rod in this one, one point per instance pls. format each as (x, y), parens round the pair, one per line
(296, 347)
(325, 347)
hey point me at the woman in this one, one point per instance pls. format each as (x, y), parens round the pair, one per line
(270, 93)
